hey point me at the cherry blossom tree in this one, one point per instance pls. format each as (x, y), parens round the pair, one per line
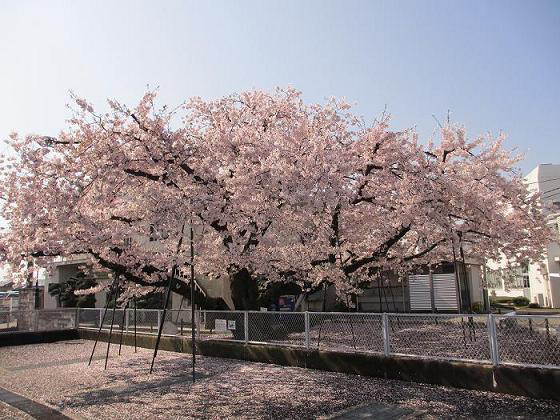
(273, 187)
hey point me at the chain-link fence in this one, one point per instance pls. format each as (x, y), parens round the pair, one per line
(284, 328)
(147, 320)
(90, 318)
(43, 320)
(346, 331)
(528, 340)
(177, 322)
(460, 337)
(222, 325)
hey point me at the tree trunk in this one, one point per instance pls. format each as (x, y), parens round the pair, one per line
(244, 289)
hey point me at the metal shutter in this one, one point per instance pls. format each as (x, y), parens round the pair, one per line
(445, 292)
(419, 286)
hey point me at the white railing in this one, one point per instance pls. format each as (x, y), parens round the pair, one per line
(526, 340)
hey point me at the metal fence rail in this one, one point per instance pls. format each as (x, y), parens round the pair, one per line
(526, 340)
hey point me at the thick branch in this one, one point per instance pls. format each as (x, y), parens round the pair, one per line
(380, 252)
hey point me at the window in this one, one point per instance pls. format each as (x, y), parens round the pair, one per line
(509, 278)
(493, 279)
(525, 274)
(520, 276)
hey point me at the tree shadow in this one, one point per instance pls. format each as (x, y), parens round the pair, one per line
(231, 388)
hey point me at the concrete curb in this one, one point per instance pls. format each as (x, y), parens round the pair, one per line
(28, 406)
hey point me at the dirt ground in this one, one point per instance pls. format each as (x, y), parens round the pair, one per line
(57, 375)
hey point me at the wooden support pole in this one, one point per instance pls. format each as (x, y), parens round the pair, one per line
(111, 328)
(162, 320)
(134, 324)
(193, 323)
(122, 327)
(174, 272)
(100, 326)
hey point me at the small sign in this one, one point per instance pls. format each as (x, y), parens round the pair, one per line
(231, 325)
(220, 325)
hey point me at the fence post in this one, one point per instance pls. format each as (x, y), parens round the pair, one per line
(77, 322)
(126, 318)
(100, 317)
(306, 315)
(199, 322)
(36, 320)
(158, 318)
(492, 336)
(386, 342)
(246, 325)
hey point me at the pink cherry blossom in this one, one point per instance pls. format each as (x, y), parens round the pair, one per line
(274, 187)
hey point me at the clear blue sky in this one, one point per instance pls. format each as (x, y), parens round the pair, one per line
(494, 64)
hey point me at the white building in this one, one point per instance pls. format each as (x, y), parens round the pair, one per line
(447, 287)
(539, 282)
(63, 270)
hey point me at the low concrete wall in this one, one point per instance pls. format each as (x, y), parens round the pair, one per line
(19, 338)
(524, 381)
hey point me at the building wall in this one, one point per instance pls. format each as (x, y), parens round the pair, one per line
(217, 288)
(62, 272)
(394, 293)
(391, 297)
(545, 289)
(544, 276)
(475, 282)
(50, 301)
(553, 266)
(545, 178)
(538, 276)
(509, 291)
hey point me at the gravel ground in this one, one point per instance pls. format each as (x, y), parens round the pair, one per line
(57, 374)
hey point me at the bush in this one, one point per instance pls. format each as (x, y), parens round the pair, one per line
(534, 305)
(520, 301)
(477, 308)
(500, 299)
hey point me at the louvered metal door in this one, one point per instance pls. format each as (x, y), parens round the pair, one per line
(445, 292)
(419, 286)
